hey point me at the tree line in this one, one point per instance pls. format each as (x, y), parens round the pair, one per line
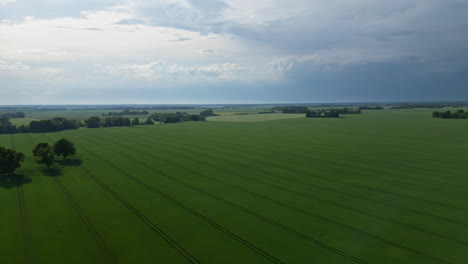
(459, 114)
(96, 122)
(322, 113)
(10, 160)
(126, 112)
(344, 111)
(176, 117)
(53, 125)
(371, 107)
(291, 109)
(13, 115)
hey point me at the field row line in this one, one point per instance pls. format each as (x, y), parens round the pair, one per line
(107, 253)
(325, 219)
(310, 175)
(323, 200)
(347, 157)
(190, 210)
(137, 213)
(243, 209)
(359, 145)
(265, 219)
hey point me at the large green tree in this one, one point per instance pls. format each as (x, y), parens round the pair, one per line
(93, 122)
(45, 155)
(64, 148)
(10, 161)
(39, 146)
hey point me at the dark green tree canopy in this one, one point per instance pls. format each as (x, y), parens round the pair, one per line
(39, 146)
(64, 148)
(93, 122)
(45, 155)
(149, 121)
(10, 161)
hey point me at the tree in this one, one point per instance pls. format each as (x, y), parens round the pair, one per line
(149, 121)
(39, 146)
(45, 155)
(136, 121)
(5, 121)
(64, 148)
(10, 161)
(206, 113)
(93, 122)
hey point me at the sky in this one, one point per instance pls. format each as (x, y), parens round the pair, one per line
(232, 51)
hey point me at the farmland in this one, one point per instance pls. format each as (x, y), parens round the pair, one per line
(387, 186)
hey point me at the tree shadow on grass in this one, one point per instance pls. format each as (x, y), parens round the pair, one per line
(11, 181)
(70, 162)
(52, 172)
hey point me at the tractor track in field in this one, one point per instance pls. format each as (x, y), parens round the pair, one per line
(366, 143)
(422, 230)
(341, 172)
(401, 179)
(459, 187)
(24, 219)
(110, 257)
(355, 185)
(245, 210)
(191, 211)
(303, 183)
(142, 217)
(108, 254)
(397, 245)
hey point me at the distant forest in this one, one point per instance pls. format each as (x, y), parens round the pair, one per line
(459, 114)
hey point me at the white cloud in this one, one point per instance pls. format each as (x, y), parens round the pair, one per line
(15, 67)
(4, 2)
(161, 71)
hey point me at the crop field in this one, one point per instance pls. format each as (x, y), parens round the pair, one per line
(387, 186)
(22, 121)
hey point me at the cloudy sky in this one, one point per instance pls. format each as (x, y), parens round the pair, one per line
(232, 51)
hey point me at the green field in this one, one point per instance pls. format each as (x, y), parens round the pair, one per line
(387, 186)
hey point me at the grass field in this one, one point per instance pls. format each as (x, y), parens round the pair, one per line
(382, 187)
(22, 121)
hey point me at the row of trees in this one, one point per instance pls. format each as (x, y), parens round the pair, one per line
(13, 115)
(347, 111)
(96, 122)
(176, 117)
(322, 113)
(207, 113)
(10, 160)
(126, 112)
(53, 125)
(291, 109)
(378, 107)
(459, 114)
